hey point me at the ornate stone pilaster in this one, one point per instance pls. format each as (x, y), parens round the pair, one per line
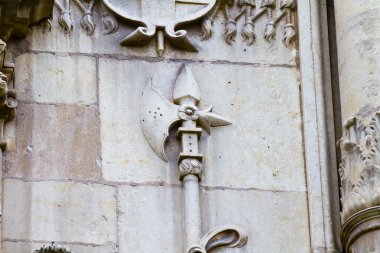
(358, 33)
(8, 106)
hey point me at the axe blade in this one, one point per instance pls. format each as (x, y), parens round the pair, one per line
(157, 115)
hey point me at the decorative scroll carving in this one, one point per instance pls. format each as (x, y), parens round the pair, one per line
(251, 11)
(157, 116)
(229, 236)
(360, 165)
(53, 248)
(88, 23)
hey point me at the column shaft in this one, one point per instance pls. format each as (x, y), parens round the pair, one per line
(358, 45)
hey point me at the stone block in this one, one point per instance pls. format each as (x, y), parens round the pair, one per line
(262, 149)
(126, 155)
(51, 78)
(57, 211)
(55, 142)
(274, 221)
(150, 218)
(266, 216)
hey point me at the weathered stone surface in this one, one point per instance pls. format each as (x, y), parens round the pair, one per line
(26, 247)
(252, 153)
(126, 155)
(358, 33)
(368, 242)
(274, 221)
(214, 49)
(150, 218)
(266, 216)
(254, 171)
(49, 78)
(55, 142)
(55, 211)
(17, 16)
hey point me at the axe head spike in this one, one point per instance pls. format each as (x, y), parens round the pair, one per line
(186, 87)
(157, 115)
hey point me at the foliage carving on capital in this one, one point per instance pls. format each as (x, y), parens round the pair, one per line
(360, 162)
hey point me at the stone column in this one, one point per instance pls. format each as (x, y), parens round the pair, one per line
(358, 43)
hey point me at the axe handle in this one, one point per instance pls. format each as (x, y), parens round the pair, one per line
(192, 208)
(192, 211)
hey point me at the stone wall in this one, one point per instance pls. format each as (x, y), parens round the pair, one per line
(81, 173)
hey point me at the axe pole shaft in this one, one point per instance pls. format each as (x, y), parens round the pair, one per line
(191, 200)
(192, 211)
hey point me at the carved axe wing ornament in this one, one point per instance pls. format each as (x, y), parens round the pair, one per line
(160, 18)
(157, 115)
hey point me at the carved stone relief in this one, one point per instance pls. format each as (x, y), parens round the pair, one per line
(157, 116)
(8, 101)
(162, 23)
(359, 168)
(53, 248)
(160, 19)
(87, 7)
(251, 11)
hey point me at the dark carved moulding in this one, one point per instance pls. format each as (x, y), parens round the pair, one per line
(357, 225)
(17, 15)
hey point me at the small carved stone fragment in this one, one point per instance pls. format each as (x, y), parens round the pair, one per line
(53, 248)
(110, 24)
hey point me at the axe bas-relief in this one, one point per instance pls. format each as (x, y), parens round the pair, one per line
(157, 117)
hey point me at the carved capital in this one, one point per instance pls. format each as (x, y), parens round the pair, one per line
(360, 163)
(190, 167)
